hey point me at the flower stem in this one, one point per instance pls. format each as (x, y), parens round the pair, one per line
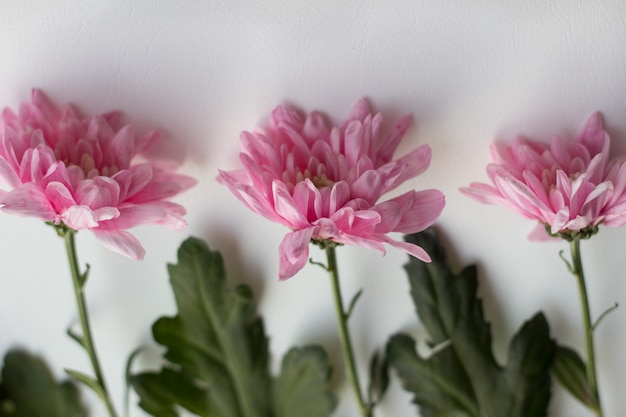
(344, 334)
(86, 340)
(577, 270)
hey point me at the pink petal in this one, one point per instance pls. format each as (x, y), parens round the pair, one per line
(594, 172)
(539, 234)
(79, 217)
(420, 209)
(594, 137)
(44, 105)
(368, 242)
(315, 128)
(560, 152)
(410, 248)
(285, 115)
(8, 174)
(28, 200)
(286, 207)
(484, 193)
(412, 165)
(251, 197)
(339, 196)
(147, 141)
(258, 148)
(59, 196)
(353, 142)
(537, 188)
(294, 252)
(615, 216)
(164, 185)
(106, 213)
(141, 176)
(578, 223)
(560, 220)
(98, 192)
(327, 229)
(120, 242)
(348, 221)
(390, 214)
(303, 198)
(618, 177)
(360, 110)
(390, 144)
(123, 147)
(519, 194)
(101, 132)
(368, 187)
(149, 213)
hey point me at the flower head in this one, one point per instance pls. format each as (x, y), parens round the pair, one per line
(324, 182)
(569, 188)
(79, 173)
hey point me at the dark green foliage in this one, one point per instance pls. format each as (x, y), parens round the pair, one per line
(569, 369)
(218, 352)
(462, 377)
(296, 392)
(28, 389)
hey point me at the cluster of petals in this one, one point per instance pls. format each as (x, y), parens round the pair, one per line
(568, 187)
(324, 182)
(79, 173)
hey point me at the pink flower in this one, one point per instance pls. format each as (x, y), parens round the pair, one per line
(325, 182)
(570, 188)
(77, 172)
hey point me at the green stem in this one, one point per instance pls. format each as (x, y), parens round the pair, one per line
(577, 270)
(87, 340)
(344, 334)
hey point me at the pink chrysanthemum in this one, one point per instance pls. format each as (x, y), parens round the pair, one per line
(325, 182)
(569, 188)
(78, 172)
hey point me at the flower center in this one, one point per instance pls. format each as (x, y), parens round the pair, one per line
(87, 164)
(320, 180)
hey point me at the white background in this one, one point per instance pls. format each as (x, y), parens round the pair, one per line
(203, 71)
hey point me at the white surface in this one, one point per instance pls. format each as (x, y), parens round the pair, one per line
(202, 71)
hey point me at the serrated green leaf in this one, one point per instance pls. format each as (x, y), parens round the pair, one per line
(302, 389)
(462, 374)
(569, 369)
(217, 353)
(216, 340)
(28, 389)
(160, 392)
(439, 384)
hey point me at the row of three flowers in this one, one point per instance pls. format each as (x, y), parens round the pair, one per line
(322, 182)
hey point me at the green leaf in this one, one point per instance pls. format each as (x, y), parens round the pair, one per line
(28, 389)
(462, 377)
(379, 378)
(569, 369)
(87, 380)
(160, 392)
(302, 389)
(216, 340)
(217, 351)
(78, 338)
